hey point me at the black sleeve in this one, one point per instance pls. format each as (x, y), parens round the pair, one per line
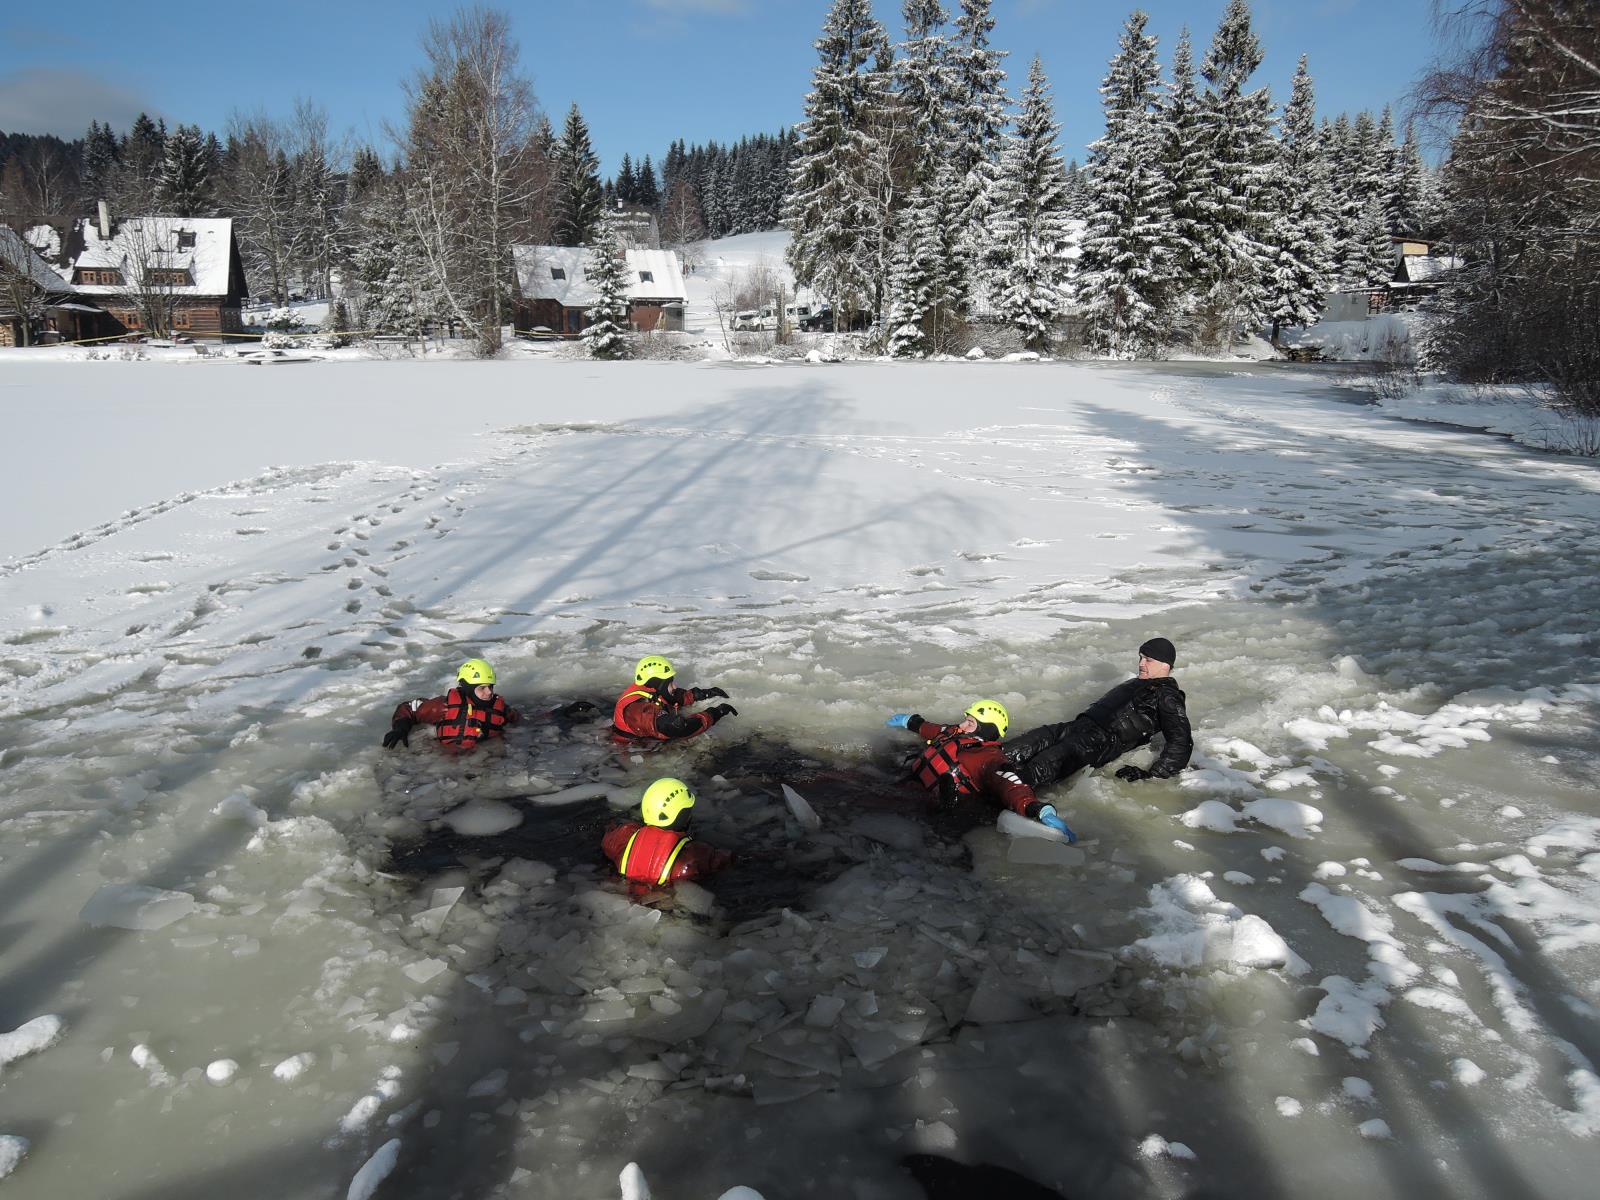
(1174, 720)
(677, 723)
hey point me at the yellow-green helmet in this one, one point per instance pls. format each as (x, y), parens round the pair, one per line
(991, 711)
(664, 800)
(476, 671)
(652, 666)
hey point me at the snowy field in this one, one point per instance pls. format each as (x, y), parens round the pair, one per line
(248, 953)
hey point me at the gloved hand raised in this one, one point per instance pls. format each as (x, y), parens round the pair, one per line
(899, 721)
(1132, 774)
(718, 711)
(711, 693)
(399, 732)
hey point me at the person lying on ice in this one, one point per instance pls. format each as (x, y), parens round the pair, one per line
(660, 851)
(463, 716)
(1124, 719)
(657, 709)
(967, 759)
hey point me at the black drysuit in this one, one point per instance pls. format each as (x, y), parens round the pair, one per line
(1124, 719)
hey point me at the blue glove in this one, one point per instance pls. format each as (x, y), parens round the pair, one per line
(1048, 818)
(899, 721)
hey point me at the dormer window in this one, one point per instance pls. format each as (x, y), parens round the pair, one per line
(558, 272)
(185, 239)
(647, 276)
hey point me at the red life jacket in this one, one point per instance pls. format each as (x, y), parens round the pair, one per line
(467, 719)
(637, 692)
(650, 854)
(942, 756)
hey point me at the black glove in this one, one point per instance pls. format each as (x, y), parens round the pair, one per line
(399, 732)
(949, 793)
(718, 711)
(708, 694)
(575, 711)
(1132, 774)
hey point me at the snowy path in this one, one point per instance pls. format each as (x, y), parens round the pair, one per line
(1356, 948)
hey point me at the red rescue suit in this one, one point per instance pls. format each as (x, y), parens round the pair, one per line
(460, 718)
(976, 766)
(644, 712)
(650, 855)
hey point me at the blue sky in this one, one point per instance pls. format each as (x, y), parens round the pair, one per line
(646, 72)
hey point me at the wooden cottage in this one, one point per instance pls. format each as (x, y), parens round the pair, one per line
(36, 303)
(183, 272)
(553, 292)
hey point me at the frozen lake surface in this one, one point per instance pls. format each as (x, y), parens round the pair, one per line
(1354, 952)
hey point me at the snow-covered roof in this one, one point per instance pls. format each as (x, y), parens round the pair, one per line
(652, 275)
(155, 242)
(46, 239)
(1421, 267)
(18, 254)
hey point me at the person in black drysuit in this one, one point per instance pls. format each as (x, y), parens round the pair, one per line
(1124, 719)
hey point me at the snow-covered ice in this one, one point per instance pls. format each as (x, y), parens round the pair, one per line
(1385, 866)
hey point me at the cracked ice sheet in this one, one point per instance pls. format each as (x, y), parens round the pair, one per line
(513, 544)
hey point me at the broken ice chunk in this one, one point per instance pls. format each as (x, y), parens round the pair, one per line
(483, 818)
(824, 1011)
(997, 1000)
(134, 906)
(13, 1150)
(491, 1084)
(692, 897)
(294, 1067)
(1030, 851)
(30, 1038)
(222, 1071)
(870, 957)
(374, 1171)
(803, 812)
(1016, 826)
(424, 969)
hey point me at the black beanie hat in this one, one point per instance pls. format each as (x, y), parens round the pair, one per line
(1159, 649)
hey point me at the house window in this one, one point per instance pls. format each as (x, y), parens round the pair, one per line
(558, 272)
(131, 320)
(185, 239)
(180, 318)
(647, 276)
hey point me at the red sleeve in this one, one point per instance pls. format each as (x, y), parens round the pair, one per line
(423, 712)
(1001, 783)
(512, 715)
(616, 841)
(930, 730)
(697, 860)
(648, 719)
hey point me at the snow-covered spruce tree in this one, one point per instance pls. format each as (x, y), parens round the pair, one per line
(1124, 269)
(388, 283)
(930, 247)
(1356, 185)
(1237, 127)
(1409, 194)
(915, 278)
(185, 184)
(1300, 236)
(1186, 160)
(1371, 259)
(1029, 218)
(606, 268)
(978, 115)
(577, 183)
(835, 225)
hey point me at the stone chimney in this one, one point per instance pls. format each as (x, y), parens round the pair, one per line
(105, 221)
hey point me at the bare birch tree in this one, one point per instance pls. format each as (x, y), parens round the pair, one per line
(472, 164)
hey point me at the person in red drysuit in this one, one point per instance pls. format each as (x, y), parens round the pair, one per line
(656, 709)
(967, 760)
(659, 851)
(467, 714)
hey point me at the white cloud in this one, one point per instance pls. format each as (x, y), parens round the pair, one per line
(63, 102)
